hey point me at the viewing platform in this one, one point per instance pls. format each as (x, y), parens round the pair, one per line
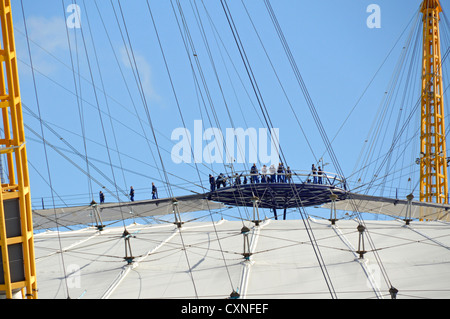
(282, 191)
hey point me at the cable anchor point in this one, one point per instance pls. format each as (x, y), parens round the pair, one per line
(361, 251)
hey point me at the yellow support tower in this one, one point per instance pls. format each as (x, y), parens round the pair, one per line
(18, 274)
(433, 163)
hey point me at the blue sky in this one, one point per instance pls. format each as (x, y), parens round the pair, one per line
(335, 50)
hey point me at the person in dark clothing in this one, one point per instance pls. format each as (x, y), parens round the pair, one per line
(254, 173)
(224, 180)
(102, 197)
(280, 171)
(220, 180)
(212, 183)
(314, 172)
(154, 191)
(319, 174)
(237, 179)
(288, 174)
(132, 194)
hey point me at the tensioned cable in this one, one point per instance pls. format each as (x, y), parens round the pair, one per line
(182, 118)
(133, 67)
(368, 184)
(260, 101)
(205, 85)
(377, 116)
(188, 36)
(407, 84)
(45, 142)
(151, 125)
(178, 185)
(217, 35)
(45, 148)
(210, 57)
(264, 111)
(317, 119)
(303, 88)
(214, 68)
(215, 31)
(74, 150)
(395, 141)
(279, 81)
(79, 100)
(112, 118)
(105, 96)
(79, 154)
(396, 138)
(79, 96)
(99, 112)
(371, 80)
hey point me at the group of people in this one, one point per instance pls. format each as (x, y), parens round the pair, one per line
(270, 174)
(317, 174)
(131, 194)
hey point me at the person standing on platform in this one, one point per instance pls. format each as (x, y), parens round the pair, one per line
(237, 179)
(264, 174)
(314, 172)
(220, 180)
(132, 194)
(272, 171)
(280, 173)
(288, 174)
(102, 197)
(154, 191)
(212, 183)
(319, 174)
(254, 173)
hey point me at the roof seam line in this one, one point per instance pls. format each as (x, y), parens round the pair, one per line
(128, 268)
(364, 263)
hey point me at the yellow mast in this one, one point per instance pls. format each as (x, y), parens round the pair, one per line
(433, 163)
(18, 274)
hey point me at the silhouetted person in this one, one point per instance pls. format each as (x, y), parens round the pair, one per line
(320, 173)
(154, 191)
(314, 172)
(212, 183)
(132, 194)
(254, 173)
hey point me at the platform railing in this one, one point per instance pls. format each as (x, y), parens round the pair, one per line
(295, 176)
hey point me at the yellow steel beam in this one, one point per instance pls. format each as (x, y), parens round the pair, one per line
(16, 242)
(433, 164)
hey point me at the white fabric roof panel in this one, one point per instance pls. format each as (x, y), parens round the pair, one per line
(392, 207)
(167, 272)
(283, 264)
(89, 260)
(293, 269)
(417, 257)
(83, 215)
